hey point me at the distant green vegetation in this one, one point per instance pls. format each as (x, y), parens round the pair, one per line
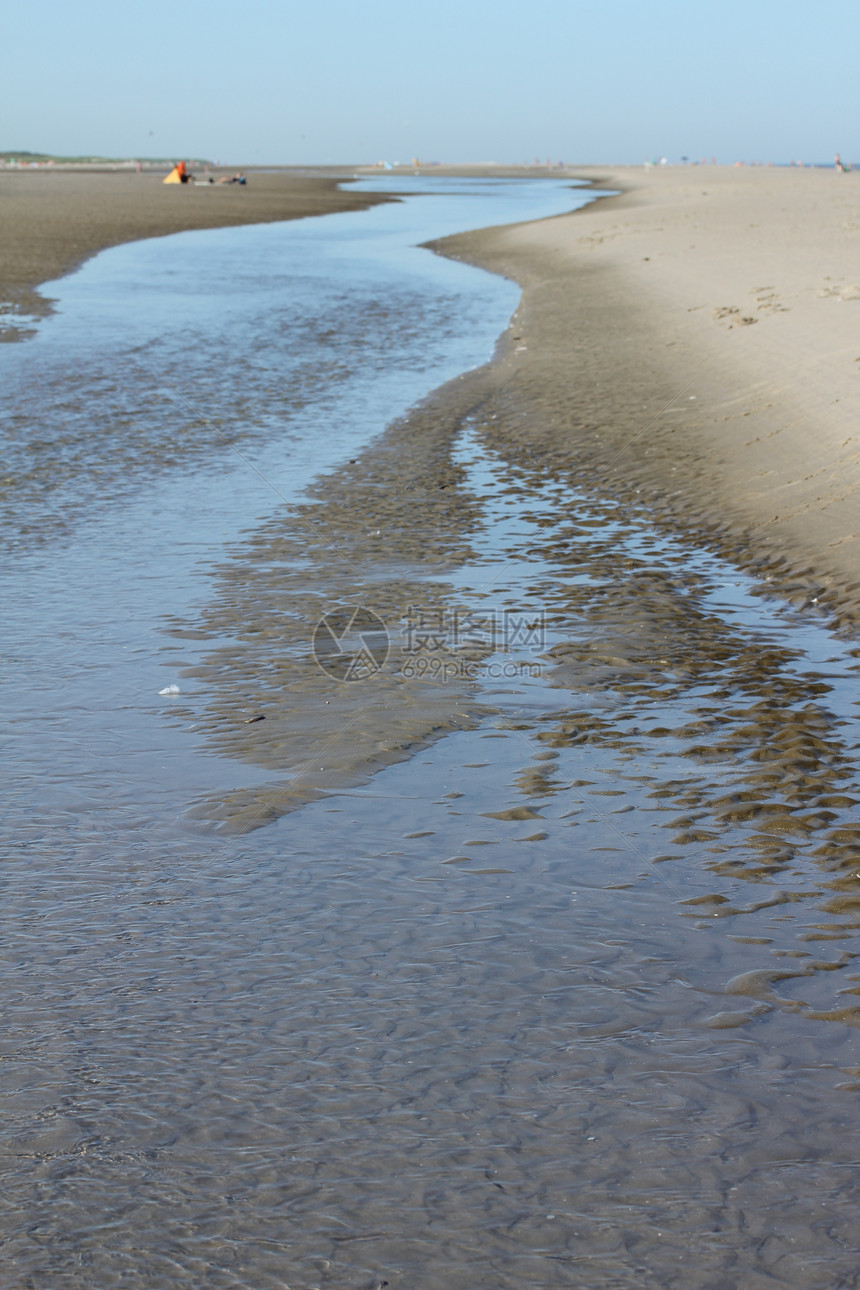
(21, 154)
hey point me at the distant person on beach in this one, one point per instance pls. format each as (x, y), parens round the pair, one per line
(838, 163)
(178, 175)
(238, 178)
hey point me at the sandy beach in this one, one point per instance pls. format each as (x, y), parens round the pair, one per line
(695, 341)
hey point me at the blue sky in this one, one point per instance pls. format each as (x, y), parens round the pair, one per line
(476, 80)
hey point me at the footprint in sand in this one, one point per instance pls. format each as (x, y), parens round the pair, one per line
(732, 311)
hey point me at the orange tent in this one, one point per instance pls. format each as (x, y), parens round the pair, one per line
(177, 175)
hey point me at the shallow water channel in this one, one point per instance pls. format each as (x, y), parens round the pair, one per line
(566, 994)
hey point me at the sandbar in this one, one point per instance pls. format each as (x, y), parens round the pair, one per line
(694, 341)
(54, 219)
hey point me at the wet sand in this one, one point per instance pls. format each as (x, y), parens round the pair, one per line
(53, 220)
(386, 530)
(665, 685)
(695, 341)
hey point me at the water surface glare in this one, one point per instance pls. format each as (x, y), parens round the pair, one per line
(567, 998)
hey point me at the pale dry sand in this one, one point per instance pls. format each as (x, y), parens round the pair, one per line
(696, 340)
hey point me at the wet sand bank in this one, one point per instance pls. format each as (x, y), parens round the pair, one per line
(695, 342)
(54, 220)
(384, 531)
